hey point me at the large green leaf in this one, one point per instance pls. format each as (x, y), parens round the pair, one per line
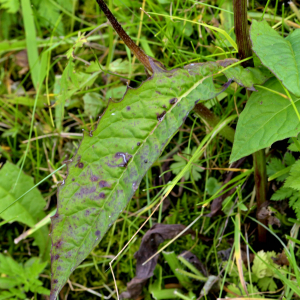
(112, 160)
(267, 118)
(280, 55)
(248, 77)
(29, 209)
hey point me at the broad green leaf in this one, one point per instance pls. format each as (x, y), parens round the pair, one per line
(280, 55)
(247, 77)
(267, 118)
(112, 160)
(29, 209)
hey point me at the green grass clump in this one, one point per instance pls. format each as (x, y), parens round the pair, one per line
(56, 79)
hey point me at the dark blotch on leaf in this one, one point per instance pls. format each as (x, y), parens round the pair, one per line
(94, 178)
(145, 161)
(103, 184)
(102, 195)
(56, 257)
(58, 244)
(97, 232)
(161, 116)
(55, 281)
(138, 143)
(73, 179)
(149, 246)
(80, 165)
(128, 108)
(173, 100)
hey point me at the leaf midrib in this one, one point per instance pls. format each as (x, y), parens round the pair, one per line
(133, 156)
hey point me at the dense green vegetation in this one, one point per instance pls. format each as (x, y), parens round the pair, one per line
(61, 63)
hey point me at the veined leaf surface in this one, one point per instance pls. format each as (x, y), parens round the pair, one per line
(112, 160)
(267, 118)
(280, 55)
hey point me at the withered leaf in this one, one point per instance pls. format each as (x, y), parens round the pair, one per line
(156, 235)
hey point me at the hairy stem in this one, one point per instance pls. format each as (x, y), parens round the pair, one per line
(138, 52)
(259, 157)
(212, 120)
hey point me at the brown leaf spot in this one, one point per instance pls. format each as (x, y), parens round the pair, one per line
(173, 100)
(161, 116)
(58, 244)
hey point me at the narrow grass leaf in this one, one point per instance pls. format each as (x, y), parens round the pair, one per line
(31, 43)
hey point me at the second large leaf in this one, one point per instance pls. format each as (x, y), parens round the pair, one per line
(280, 55)
(112, 160)
(267, 118)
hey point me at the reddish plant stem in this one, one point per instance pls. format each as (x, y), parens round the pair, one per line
(205, 114)
(138, 52)
(259, 157)
(242, 31)
(260, 178)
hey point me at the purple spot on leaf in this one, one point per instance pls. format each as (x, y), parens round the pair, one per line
(103, 184)
(58, 244)
(94, 178)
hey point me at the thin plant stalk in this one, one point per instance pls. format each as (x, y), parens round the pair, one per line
(259, 157)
